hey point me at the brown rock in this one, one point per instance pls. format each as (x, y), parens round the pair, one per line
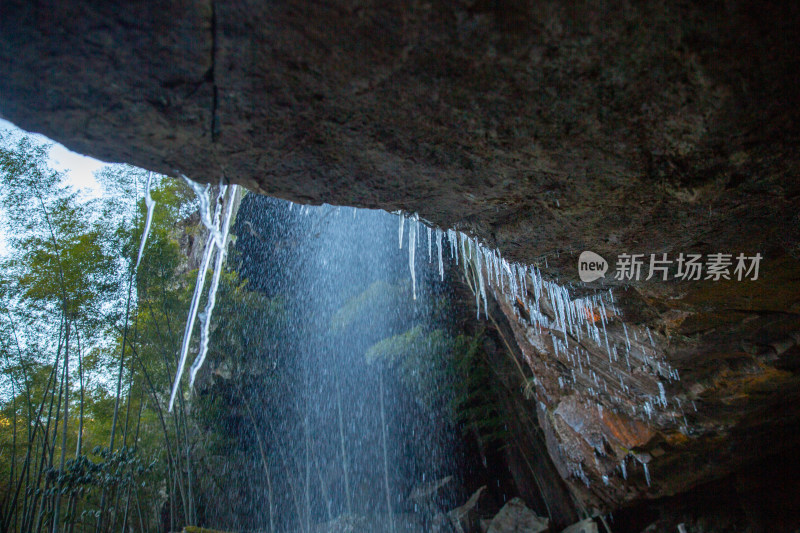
(544, 128)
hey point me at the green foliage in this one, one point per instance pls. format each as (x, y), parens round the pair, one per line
(398, 347)
(60, 256)
(476, 399)
(446, 369)
(424, 359)
(63, 297)
(379, 295)
(110, 471)
(69, 292)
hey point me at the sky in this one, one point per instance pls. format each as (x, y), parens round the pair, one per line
(78, 168)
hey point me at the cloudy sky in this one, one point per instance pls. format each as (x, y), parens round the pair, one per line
(78, 168)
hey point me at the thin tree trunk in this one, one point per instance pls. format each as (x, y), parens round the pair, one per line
(26, 470)
(79, 444)
(6, 513)
(64, 434)
(45, 446)
(128, 402)
(130, 475)
(172, 463)
(120, 372)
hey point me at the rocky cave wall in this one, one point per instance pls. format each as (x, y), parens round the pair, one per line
(544, 128)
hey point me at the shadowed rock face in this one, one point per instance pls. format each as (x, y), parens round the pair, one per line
(646, 127)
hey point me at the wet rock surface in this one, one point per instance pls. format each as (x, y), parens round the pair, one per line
(544, 128)
(584, 526)
(514, 516)
(466, 518)
(540, 126)
(734, 403)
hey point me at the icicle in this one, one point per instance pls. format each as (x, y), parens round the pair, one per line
(150, 203)
(603, 313)
(453, 237)
(439, 246)
(430, 246)
(412, 248)
(212, 292)
(482, 287)
(646, 473)
(605, 336)
(463, 238)
(478, 284)
(648, 409)
(400, 231)
(627, 340)
(496, 267)
(663, 394)
(205, 207)
(198, 289)
(478, 301)
(202, 196)
(624, 469)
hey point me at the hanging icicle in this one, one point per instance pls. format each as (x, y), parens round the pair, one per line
(412, 247)
(549, 307)
(400, 230)
(151, 204)
(430, 246)
(212, 293)
(215, 240)
(439, 246)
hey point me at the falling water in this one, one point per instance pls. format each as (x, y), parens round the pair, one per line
(357, 421)
(352, 405)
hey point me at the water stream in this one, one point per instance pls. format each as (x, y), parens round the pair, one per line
(357, 408)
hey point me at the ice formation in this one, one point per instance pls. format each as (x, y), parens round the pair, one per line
(412, 249)
(205, 318)
(400, 230)
(151, 204)
(215, 240)
(577, 327)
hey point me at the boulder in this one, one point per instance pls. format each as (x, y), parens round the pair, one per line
(584, 526)
(515, 517)
(465, 518)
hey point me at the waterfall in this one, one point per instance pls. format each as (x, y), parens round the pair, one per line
(350, 404)
(354, 419)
